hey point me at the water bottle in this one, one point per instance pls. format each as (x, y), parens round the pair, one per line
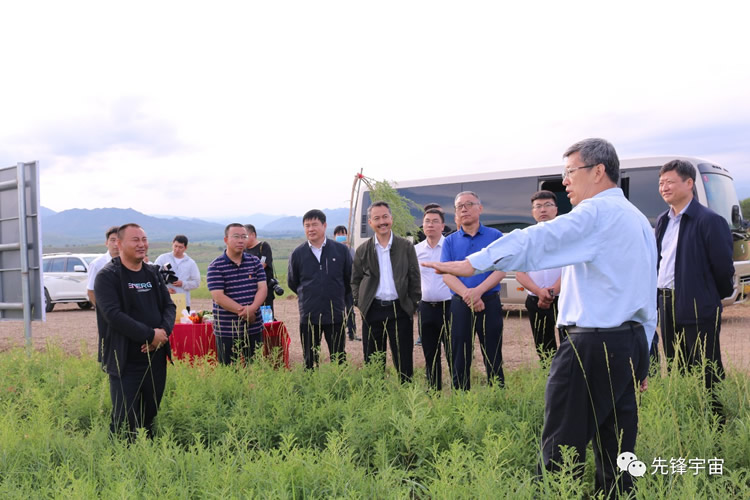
(266, 314)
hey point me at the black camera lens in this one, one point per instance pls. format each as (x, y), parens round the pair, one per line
(274, 284)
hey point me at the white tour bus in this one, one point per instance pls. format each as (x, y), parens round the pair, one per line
(506, 198)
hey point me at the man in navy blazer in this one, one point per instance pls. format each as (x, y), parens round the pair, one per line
(320, 272)
(695, 271)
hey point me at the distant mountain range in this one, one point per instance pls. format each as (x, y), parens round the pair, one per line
(85, 226)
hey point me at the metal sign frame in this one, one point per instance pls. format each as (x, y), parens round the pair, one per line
(21, 289)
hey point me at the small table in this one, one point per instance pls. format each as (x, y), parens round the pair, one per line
(189, 340)
(275, 335)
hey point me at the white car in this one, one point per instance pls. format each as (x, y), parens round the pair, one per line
(66, 278)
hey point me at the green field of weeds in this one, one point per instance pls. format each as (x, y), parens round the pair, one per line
(339, 432)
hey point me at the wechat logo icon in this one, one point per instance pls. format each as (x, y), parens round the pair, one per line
(628, 462)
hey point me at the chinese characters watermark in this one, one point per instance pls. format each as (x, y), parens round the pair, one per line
(628, 462)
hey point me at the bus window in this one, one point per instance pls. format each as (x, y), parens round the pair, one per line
(556, 186)
(442, 194)
(641, 187)
(720, 195)
(506, 202)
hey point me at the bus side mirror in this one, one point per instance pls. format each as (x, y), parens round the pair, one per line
(736, 217)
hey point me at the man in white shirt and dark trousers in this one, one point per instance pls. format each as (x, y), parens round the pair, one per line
(101, 261)
(608, 308)
(435, 306)
(543, 287)
(94, 268)
(386, 288)
(185, 268)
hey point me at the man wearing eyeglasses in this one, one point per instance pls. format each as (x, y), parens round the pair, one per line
(608, 308)
(475, 304)
(696, 270)
(238, 288)
(543, 287)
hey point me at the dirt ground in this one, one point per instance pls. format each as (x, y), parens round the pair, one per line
(74, 330)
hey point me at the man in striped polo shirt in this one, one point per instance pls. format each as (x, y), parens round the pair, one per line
(238, 287)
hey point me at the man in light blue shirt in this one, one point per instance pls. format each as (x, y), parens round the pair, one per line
(607, 306)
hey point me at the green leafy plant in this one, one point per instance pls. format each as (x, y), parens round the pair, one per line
(403, 220)
(337, 432)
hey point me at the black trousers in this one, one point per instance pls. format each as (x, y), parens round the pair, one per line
(692, 342)
(590, 394)
(136, 395)
(351, 324)
(488, 325)
(388, 319)
(230, 348)
(542, 323)
(434, 328)
(311, 334)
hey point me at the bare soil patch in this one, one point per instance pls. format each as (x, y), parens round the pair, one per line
(74, 330)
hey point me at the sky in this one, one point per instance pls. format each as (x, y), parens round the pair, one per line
(200, 109)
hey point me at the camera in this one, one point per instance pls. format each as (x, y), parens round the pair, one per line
(273, 283)
(169, 275)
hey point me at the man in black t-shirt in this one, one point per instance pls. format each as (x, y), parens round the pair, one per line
(139, 315)
(262, 250)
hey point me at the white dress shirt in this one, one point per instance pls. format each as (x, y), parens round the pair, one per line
(434, 288)
(386, 286)
(669, 249)
(317, 251)
(96, 266)
(186, 271)
(609, 250)
(544, 279)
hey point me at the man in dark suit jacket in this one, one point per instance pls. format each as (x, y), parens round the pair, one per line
(695, 271)
(320, 272)
(386, 287)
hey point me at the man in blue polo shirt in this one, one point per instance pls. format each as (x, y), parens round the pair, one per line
(238, 287)
(475, 305)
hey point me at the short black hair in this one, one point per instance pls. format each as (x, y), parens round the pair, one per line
(230, 226)
(112, 230)
(340, 230)
(121, 229)
(380, 203)
(436, 210)
(684, 169)
(544, 195)
(250, 229)
(595, 151)
(431, 205)
(313, 215)
(182, 239)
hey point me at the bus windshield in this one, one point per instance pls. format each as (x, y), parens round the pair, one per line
(720, 195)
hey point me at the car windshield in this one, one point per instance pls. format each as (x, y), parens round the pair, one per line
(90, 259)
(720, 195)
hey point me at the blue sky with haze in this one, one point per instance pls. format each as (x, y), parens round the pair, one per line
(225, 108)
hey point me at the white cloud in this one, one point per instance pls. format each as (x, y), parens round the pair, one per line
(273, 107)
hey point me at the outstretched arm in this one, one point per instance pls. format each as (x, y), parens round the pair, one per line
(456, 268)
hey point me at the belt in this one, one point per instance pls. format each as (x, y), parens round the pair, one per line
(487, 295)
(667, 292)
(628, 325)
(436, 304)
(384, 303)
